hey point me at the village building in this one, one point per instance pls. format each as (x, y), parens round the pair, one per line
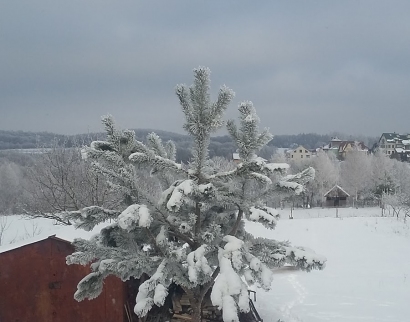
(395, 145)
(332, 146)
(300, 153)
(336, 197)
(348, 146)
(341, 148)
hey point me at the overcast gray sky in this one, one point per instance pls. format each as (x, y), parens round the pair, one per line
(308, 66)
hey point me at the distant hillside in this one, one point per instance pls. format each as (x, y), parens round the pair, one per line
(219, 146)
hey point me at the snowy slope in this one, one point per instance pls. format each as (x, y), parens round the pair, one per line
(367, 277)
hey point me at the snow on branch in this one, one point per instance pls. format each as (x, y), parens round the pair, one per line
(269, 251)
(152, 291)
(89, 287)
(174, 196)
(295, 183)
(155, 143)
(261, 178)
(258, 271)
(247, 138)
(89, 217)
(198, 267)
(229, 291)
(301, 177)
(265, 215)
(278, 167)
(256, 169)
(304, 258)
(154, 160)
(292, 186)
(135, 215)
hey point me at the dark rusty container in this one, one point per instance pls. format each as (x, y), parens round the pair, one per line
(36, 285)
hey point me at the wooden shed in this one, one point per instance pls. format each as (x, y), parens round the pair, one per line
(37, 285)
(336, 197)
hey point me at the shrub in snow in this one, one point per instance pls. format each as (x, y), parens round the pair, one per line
(191, 232)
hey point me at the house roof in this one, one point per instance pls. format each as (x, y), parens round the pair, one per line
(401, 150)
(336, 191)
(301, 147)
(65, 233)
(359, 145)
(235, 156)
(391, 137)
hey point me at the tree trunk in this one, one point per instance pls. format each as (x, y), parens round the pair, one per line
(196, 305)
(195, 299)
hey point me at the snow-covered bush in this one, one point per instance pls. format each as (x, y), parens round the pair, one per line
(184, 224)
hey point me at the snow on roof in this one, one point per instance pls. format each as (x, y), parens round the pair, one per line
(67, 233)
(260, 159)
(339, 188)
(393, 137)
(236, 156)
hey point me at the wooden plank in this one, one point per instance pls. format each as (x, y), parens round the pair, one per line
(176, 304)
(184, 317)
(185, 300)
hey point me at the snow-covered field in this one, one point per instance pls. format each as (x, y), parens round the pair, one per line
(367, 276)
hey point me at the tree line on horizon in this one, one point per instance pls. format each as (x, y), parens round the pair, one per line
(222, 146)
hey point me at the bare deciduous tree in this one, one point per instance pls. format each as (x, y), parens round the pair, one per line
(356, 174)
(327, 175)
(11, 183)
(4, 225)
(60, 181)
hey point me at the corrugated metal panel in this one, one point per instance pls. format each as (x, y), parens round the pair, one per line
(37, 285)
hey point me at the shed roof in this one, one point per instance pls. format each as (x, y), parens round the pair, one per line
(336, 191)
(66, 233)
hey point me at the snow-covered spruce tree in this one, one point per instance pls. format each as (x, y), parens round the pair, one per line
(190, 233)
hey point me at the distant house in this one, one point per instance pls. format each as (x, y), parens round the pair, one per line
(348, 146)
(340, 148)
(395, 145)
(237, 159)
(300, 153)
(336, 197)
(333, 146)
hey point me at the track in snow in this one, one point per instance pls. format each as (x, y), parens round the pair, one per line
(301, 293)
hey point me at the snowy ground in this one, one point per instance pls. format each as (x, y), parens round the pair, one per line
(367, 276)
